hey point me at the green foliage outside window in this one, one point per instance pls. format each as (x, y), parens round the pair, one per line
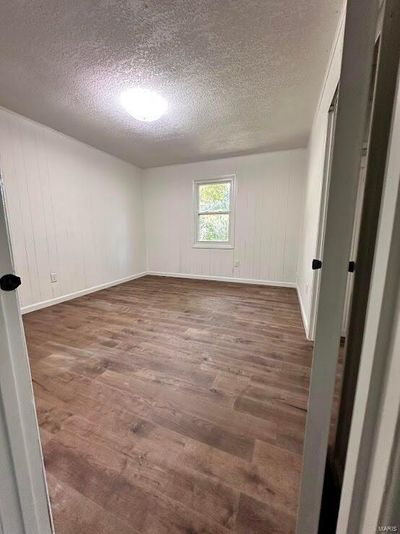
(214, 227)
(214, 197)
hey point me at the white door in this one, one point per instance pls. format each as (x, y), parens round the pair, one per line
(24, 505)
(323, 210)
(359, 40)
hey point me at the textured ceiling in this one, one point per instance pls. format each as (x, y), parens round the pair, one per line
(240, 76)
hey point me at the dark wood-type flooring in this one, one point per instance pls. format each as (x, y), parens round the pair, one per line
(172, 406)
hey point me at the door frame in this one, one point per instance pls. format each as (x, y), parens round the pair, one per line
(24, 501)
(359, 40)
(354, 242)
(381, 117)
(370, 487)
(330, 132)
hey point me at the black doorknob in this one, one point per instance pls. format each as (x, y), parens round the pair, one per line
(9, 282)
(316, 264)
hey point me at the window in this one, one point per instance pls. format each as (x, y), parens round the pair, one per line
(213, 201)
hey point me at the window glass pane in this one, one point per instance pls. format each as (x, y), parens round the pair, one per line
(214, 227)
(214, 197)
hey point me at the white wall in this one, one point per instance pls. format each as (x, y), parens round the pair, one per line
(84, 215)
(316, 157)
(269, 214)
(72, 209)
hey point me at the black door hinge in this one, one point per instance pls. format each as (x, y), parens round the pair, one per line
(352, 266)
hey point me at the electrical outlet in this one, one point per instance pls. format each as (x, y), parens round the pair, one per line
(53, 277)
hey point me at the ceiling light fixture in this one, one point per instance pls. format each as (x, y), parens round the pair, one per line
(143, 104)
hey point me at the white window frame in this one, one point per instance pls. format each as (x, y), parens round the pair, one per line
(231, 212)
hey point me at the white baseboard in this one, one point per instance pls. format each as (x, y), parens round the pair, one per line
(303, 314)
(76, 294)
(224, 279)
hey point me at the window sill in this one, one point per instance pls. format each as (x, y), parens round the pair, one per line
(213, 246)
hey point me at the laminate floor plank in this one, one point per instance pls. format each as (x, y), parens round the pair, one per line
(172, 406)
(88, 517)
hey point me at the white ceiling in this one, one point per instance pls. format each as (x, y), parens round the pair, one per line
(240, 76)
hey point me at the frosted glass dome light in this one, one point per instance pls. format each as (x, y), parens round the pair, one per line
(143, 104)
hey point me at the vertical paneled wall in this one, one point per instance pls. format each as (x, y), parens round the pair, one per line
(84, 215)
(73, 211)
(269, 216)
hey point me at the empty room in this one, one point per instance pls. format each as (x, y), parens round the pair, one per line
(193, 197)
